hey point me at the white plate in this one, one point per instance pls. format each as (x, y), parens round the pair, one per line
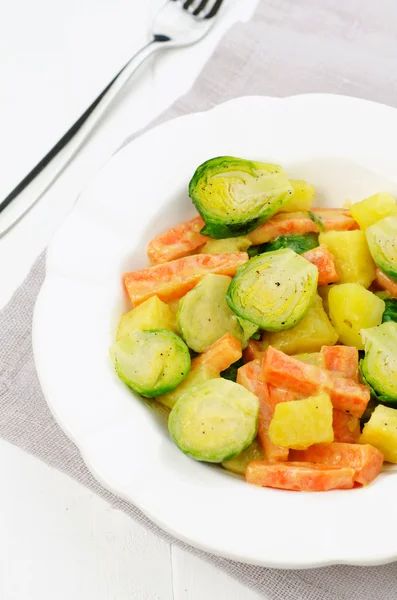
(346, 147)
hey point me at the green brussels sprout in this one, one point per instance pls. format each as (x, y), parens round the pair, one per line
(234, 196)
(382, 242)
(390, 313)
(379, 366)
(274, 290)
(214, 421)
(297, 243)
(151, 362)
(204, 315)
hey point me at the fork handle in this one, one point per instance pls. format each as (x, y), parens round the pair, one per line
(31, 188)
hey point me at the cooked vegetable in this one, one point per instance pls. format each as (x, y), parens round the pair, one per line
(382, 242)
(297, 243)
(302, 423)
(299, 476)
(319, 219)
(342, 360)
(352, 258)
(231, 372)
(234, 195)
(151, 314)
(323, 292)
(381, 432)
(379, 366)
(281, 370)
(208, 365)
(372, 209)
(226, 246)
(364, 459)
(390, 313)
(151, 362)
(313, 332)
(215, 421)
(346, 427)
(239, 464)
(324, 260)
(351, 309)
(311, 358)
(273, 290)
(173, 280)
(248, 376)
(253, 351)
(204, 315)
(177, 242)
(386, 283)
(302, 198)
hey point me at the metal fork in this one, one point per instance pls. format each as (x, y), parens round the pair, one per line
(178, 23)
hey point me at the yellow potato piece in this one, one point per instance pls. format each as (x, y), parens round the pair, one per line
(352, 308)
(151, 314)
(196, 376)
(315, 330)
(303, 196)
(373, 209)
(301, 423)
(352, 257)
(381, 432)
(226, 246)
(313, 358)
(239, 463)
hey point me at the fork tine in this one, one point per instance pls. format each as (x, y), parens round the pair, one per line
(187, 4)
(200, 7)
(214, 10)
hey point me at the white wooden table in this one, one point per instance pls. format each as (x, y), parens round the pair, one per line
(57, 539)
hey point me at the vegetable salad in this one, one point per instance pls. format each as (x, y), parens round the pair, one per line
(268, 328)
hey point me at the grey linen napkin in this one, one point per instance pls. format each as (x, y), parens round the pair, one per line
(288, 48)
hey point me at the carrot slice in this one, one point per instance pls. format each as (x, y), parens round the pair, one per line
(341, 359)
(173, 280)
(346, 427)
(253, 351)
(220, 355)
(284, 371)
(177, 242)
(386, 283)
(324, 260)
(300, 476)
(363, 458)
(248, 376)
(319, 219)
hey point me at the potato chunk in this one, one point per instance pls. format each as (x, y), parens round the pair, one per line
(313, 332)
(372, 209)
(151, 314)
(302, 198)
(352, 308)
(352, 257)
(302, 423)
(381, 432)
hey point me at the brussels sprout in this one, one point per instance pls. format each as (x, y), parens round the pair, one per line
(382, 242)
(234, 195)
(390, 313)
(297, 243)
(379, 366)
(214, 421)
(204, 316)
(274, 290)
(151, 362)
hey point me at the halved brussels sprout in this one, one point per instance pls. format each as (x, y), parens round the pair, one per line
(234, 195)
(274, 290)
(379, 366)
(382, 242)
(151, 362)
(297, 243)
(214, 421)
(204, 316)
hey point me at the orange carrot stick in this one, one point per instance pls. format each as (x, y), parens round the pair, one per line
(284, 371)
(386, 283)
(324, 260)
(363, 458)
(300, 476)
(341, 359)
(170, 281)
(220, 355)
(319, 219)
(177, 242)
